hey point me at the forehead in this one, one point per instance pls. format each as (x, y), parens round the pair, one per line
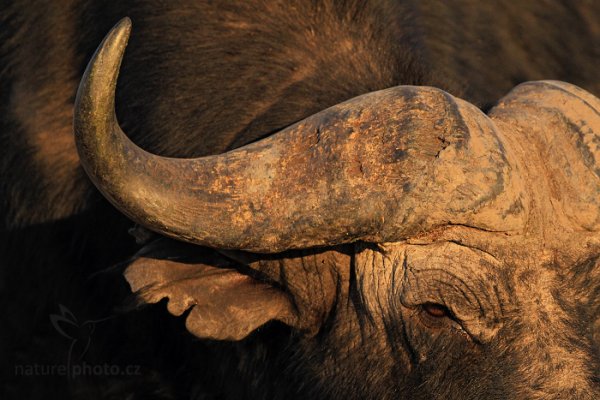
(535, 248)
(549, 136)
(487, 279)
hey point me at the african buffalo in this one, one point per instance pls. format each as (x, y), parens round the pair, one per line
(335, 199)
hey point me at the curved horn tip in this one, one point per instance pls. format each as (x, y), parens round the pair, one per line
(94, 102)
(94, 116)
(117, 37)
(104, 65)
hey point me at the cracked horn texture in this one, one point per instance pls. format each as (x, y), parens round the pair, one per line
(379, 167)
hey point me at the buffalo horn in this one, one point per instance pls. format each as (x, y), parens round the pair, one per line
(378, 168)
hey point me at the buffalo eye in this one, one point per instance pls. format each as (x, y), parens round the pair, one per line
(436, 310)
(436, 316)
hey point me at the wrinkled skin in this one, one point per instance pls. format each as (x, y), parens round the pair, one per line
(512, 331)
(367, 329)
(513, 326)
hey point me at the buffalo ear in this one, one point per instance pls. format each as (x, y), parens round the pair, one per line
(225, 303)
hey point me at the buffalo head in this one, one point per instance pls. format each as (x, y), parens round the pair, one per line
(416, 246)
